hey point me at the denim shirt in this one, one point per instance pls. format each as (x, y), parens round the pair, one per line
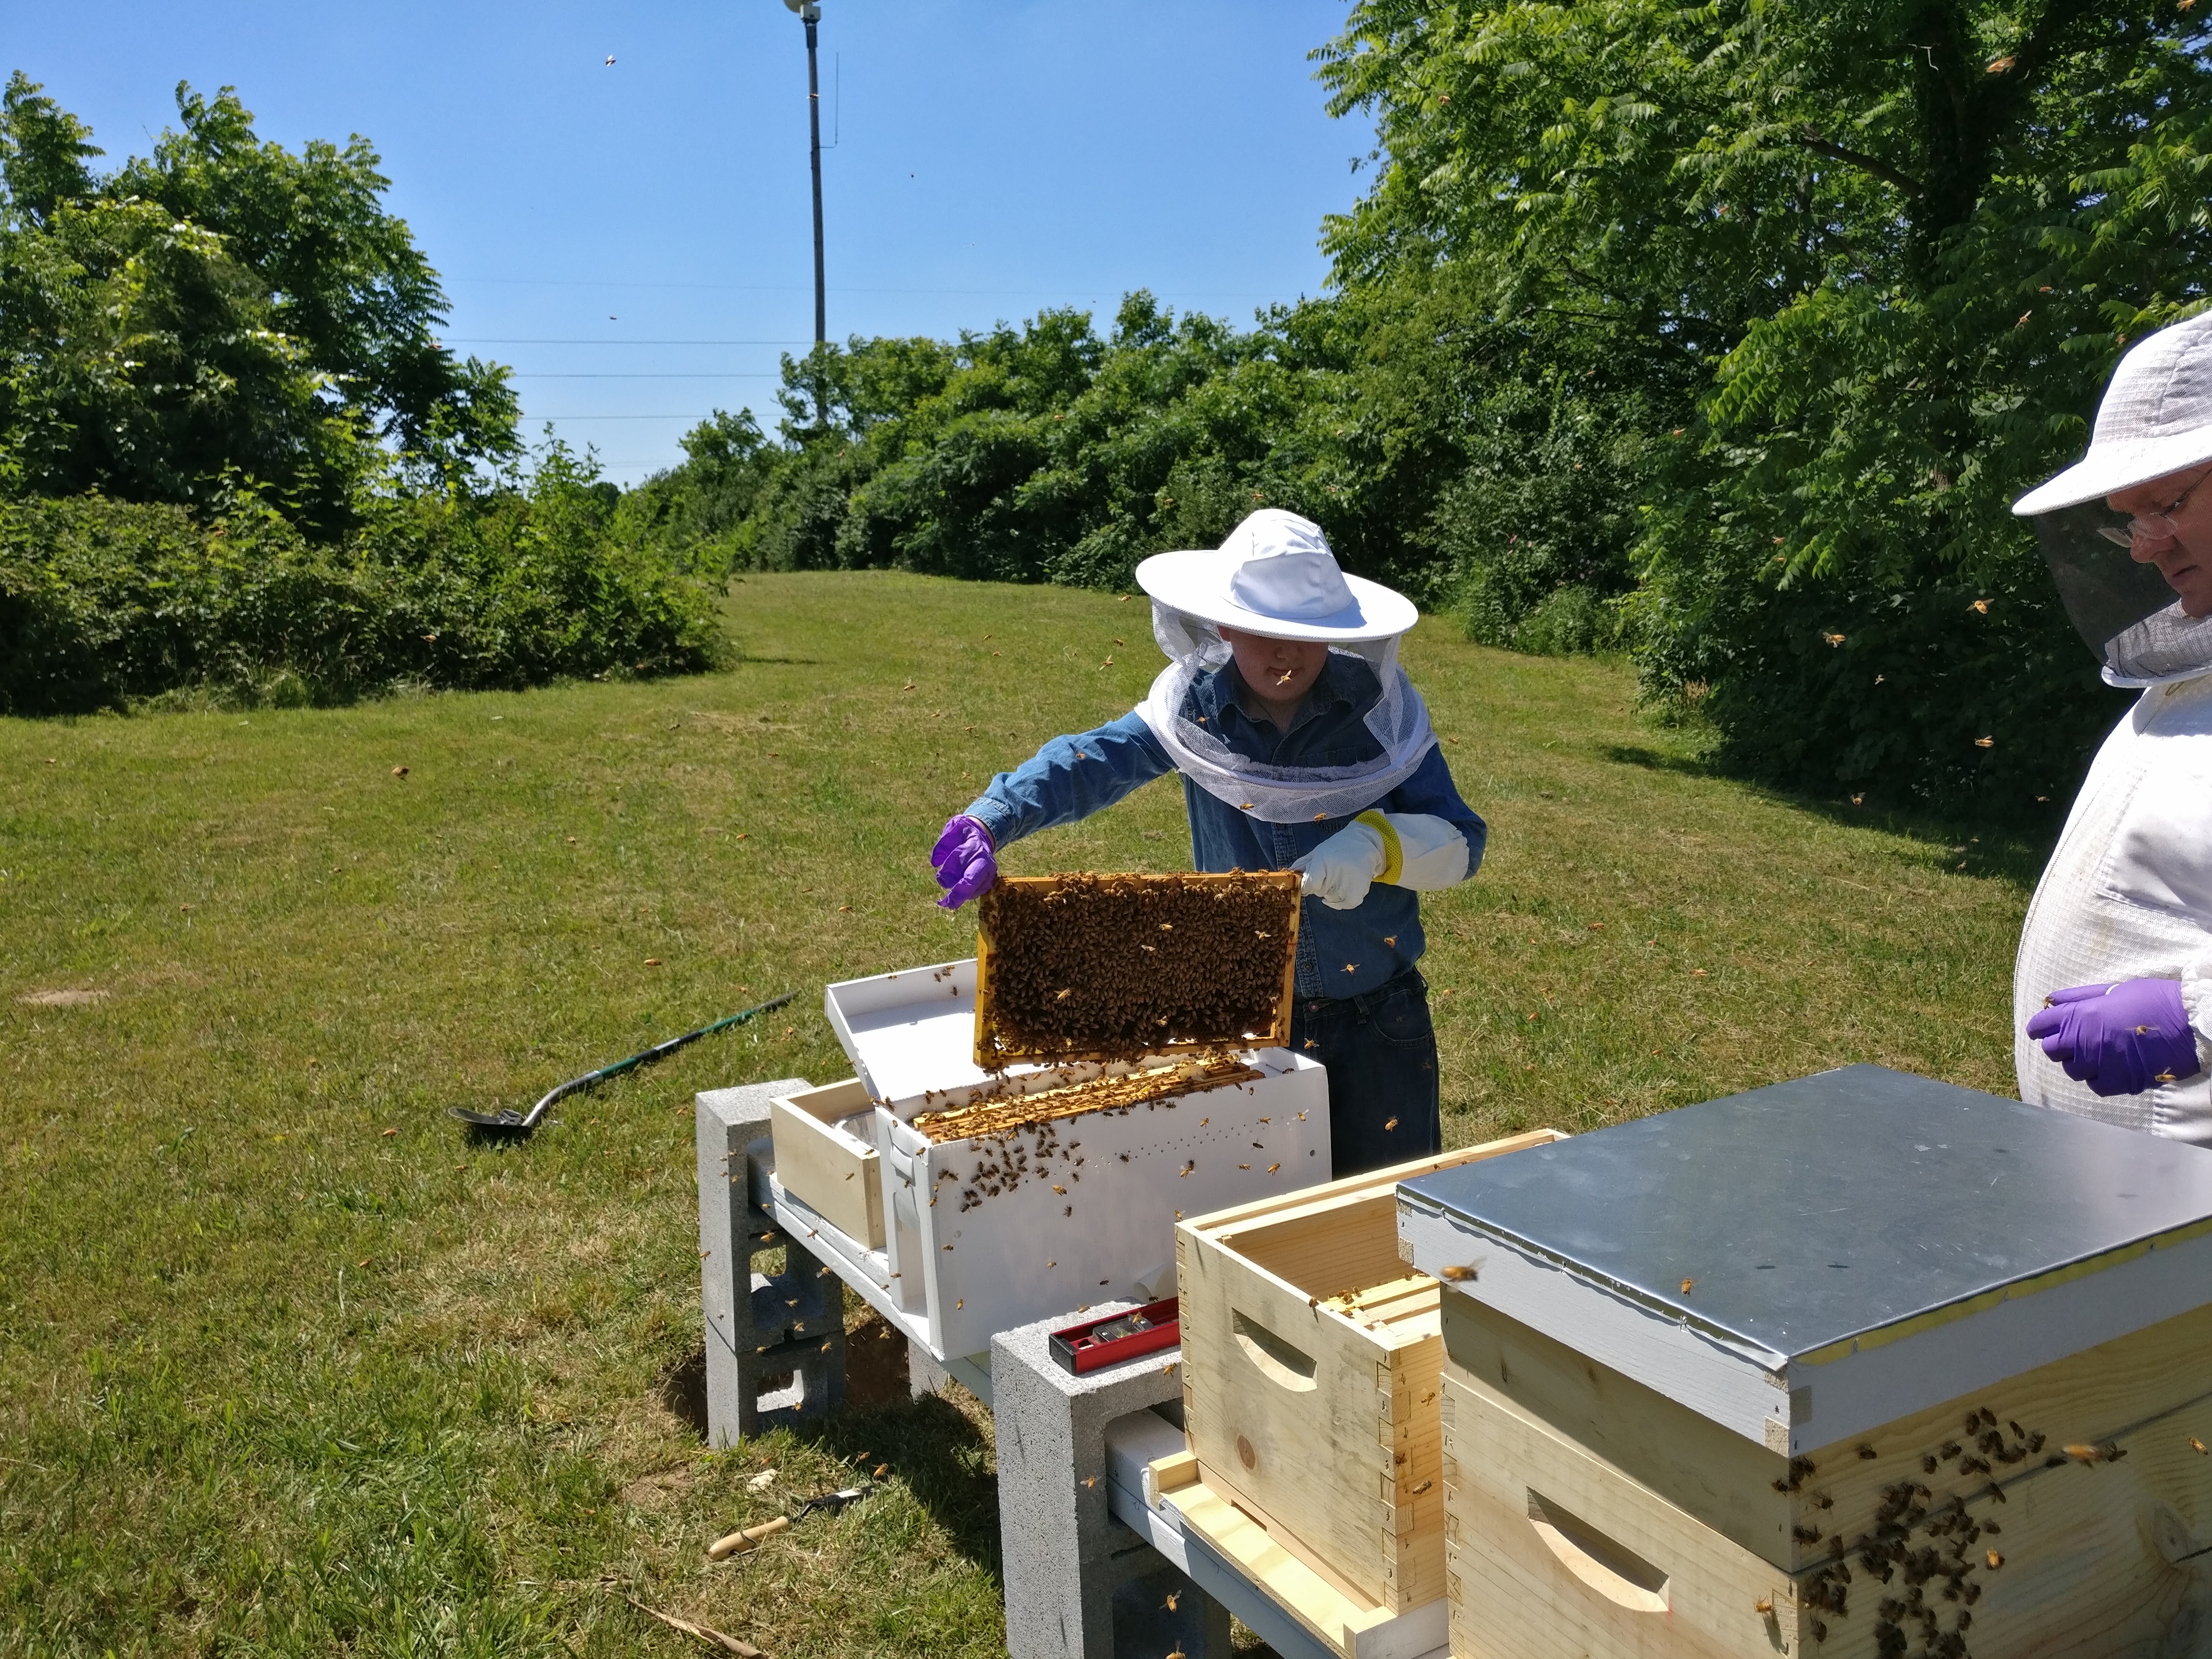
(1341, 953)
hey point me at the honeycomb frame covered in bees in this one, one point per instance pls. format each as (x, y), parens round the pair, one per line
(985, 1112)
(1090, 966)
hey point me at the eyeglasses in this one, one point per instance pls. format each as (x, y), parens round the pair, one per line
(2151, 526)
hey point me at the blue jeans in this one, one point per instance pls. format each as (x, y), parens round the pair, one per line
(1380, 1053)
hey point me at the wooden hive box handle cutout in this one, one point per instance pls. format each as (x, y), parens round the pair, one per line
(1275, 1360)
(1622, 1577)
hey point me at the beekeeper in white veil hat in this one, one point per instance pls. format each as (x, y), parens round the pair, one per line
(1302, 745)
(2112, 992)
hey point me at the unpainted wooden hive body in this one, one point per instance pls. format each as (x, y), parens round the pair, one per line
(1580, 1503)
(1311, 1355)
(1856, 1366)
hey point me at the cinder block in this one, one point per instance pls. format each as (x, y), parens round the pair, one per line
(1073, 1572)
(924, 1375)
(760, 1330)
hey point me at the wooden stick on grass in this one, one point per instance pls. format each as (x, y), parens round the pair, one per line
(706, 1633)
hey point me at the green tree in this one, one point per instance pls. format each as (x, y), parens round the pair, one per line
(221, 309)
(1894, 247)
(700, 509)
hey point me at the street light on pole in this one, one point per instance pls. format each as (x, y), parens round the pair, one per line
(811, 14)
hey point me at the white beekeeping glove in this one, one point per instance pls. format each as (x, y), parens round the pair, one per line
(1402, 849)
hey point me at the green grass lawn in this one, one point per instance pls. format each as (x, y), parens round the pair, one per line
(287, 1366)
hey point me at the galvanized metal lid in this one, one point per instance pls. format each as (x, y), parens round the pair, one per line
(1828, 1220)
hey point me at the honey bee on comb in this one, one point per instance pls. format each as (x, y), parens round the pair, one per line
(1210, 969)
(995, 1114)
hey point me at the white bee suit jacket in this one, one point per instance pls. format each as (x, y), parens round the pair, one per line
(2128, 895)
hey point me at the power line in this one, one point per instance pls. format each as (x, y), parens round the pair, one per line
(620, 374)
(488, 339)
(801, 288)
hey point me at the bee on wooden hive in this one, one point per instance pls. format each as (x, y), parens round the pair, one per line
(2107, 1453)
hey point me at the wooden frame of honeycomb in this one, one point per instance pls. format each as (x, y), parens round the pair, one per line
(1113, 967)
(988, 1114)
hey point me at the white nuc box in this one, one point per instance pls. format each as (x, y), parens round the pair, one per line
(962, 1202)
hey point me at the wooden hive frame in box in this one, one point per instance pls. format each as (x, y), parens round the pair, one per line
(1311, 1357)
(1113, 967)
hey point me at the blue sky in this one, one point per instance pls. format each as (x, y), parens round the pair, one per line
(991, 160)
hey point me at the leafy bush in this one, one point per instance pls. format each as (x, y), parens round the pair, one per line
(701, 514)
(104, 603)
(1478, 466)
(235, 460)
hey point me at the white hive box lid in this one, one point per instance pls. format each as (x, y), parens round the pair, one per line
(911, 1030)
(1808, 1261)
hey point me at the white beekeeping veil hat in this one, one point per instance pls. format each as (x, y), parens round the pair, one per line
(2154, 420)
(1276, 575)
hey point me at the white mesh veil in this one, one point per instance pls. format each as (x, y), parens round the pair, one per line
(1281, 794)
(2168, 645)
(2123, 608)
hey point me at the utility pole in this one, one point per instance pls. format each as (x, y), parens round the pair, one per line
(811, 14)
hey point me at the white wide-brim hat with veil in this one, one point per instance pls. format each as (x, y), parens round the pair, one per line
(2154, 420)
(1276, 576)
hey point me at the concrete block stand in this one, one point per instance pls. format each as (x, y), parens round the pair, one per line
(1079, 1584)
(775, 1346)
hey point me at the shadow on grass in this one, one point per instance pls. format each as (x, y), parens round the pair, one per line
(938, 1451)
(1653, 760)
(2007, 846)
(941, 1456)
(683, 1390)
(490, 1137)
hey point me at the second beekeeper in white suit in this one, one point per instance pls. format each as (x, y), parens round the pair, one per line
(2112, 991)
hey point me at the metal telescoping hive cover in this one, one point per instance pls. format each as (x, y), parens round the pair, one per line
(1806, 1261)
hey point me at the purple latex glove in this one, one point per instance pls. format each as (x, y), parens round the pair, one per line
(965, 860)
(2119, 1039)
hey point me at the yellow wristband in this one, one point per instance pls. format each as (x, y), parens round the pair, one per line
(1394, 855)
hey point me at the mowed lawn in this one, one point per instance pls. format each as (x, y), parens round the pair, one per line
(289, 1365)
